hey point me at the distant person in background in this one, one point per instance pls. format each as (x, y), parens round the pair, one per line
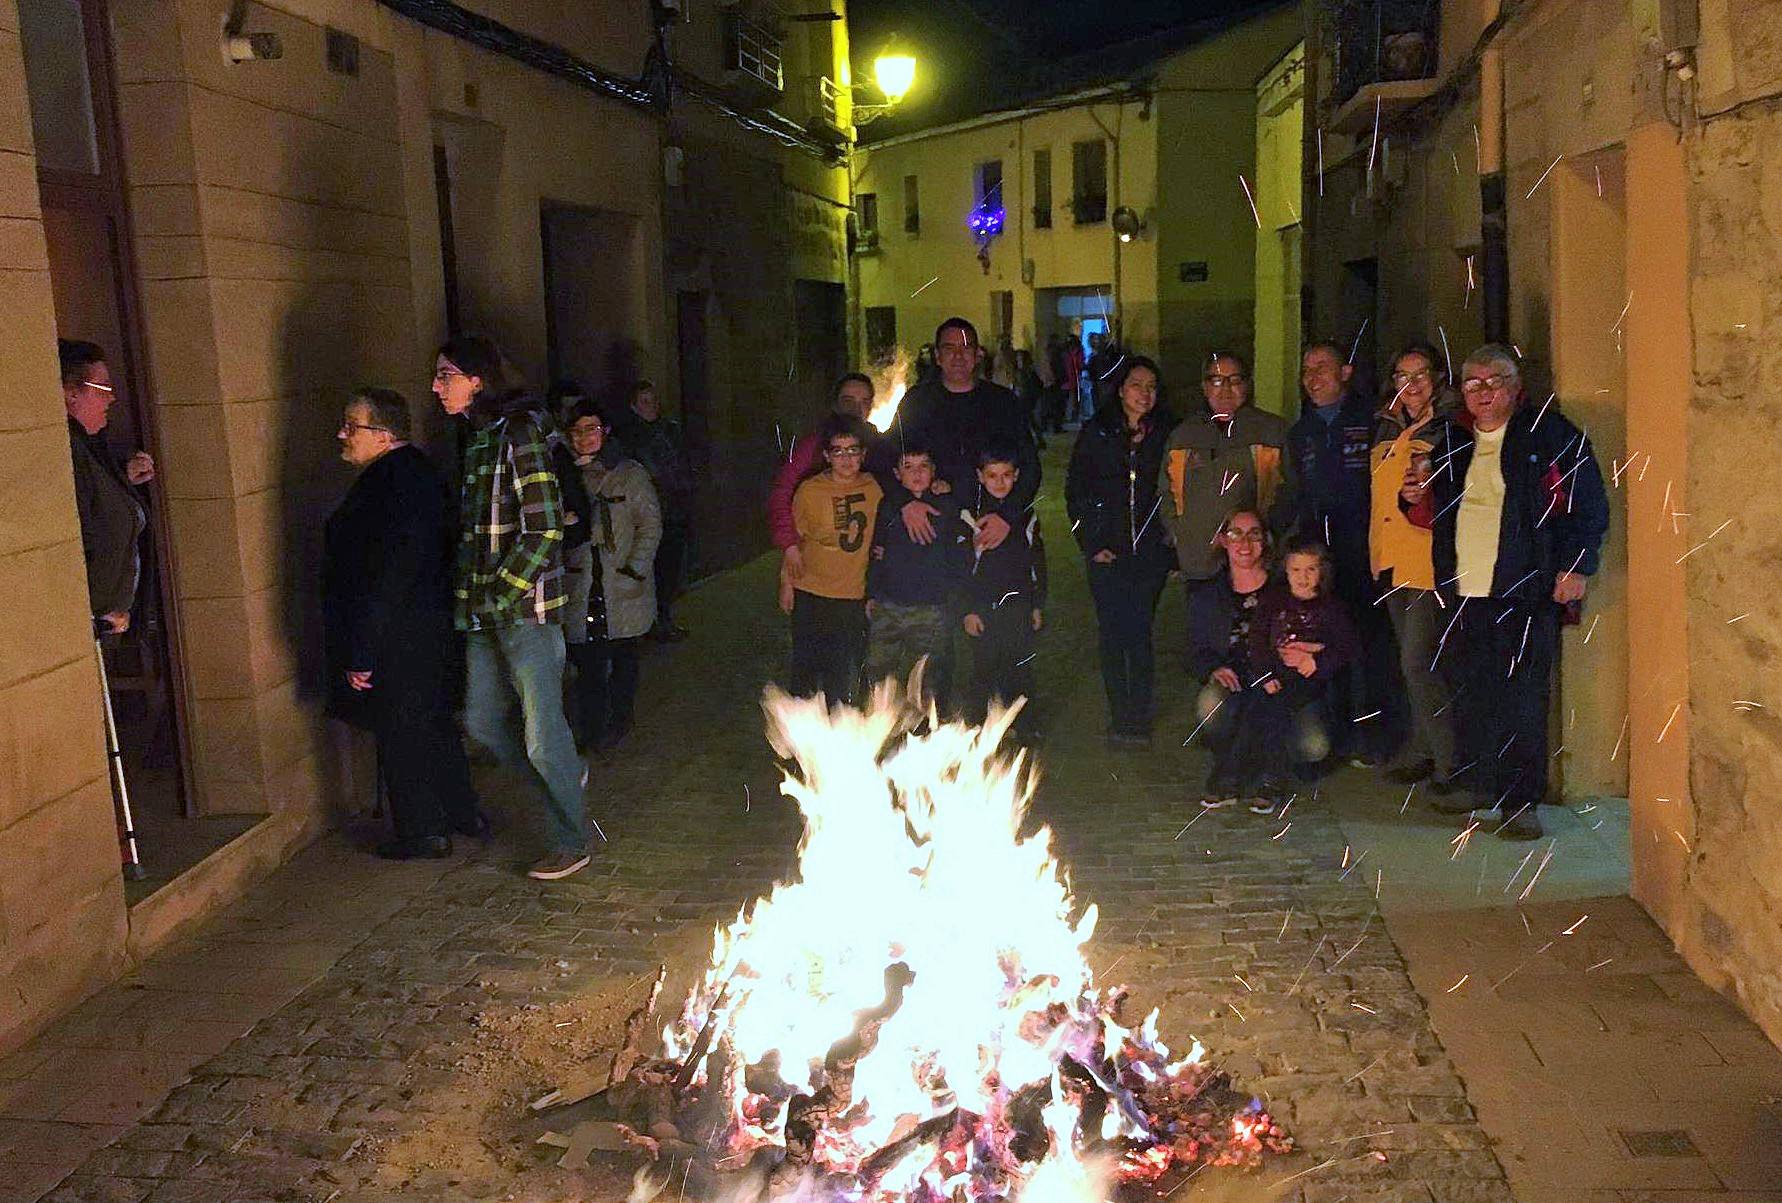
(386, 604)
(1004, 369)
(1071, 378)
(612, 585)
(1030, 391)
(112, 517)
(561, 400)
(927, 367)
(660, 445)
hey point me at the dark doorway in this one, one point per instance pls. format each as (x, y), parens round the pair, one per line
(592, 269)
(881, 332)
(821, 313)
(68, 74)
(1358, 306)
(693, 347)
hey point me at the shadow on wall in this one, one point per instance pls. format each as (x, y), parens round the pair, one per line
(326, 336)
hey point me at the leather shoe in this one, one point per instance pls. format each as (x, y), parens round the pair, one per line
(421, 847)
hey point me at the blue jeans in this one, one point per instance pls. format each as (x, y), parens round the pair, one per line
(524, 663)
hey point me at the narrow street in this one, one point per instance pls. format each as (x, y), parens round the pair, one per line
(363, 1031)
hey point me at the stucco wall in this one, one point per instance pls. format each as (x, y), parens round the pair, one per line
(61, 898)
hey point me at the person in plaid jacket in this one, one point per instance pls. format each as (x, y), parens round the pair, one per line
(508, 590)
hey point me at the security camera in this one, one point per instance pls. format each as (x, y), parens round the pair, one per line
(1127, 224)
(244, 47)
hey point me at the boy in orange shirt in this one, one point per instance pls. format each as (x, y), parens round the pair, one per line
(834, 512)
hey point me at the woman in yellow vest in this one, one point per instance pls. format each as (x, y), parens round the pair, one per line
(1418, 401)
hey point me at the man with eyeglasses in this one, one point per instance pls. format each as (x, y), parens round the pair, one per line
(1223, 457)
(1519, 519)
(1331, 449)
(956, 416)
(112, 517)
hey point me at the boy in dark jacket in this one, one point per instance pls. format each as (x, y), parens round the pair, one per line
(1300, 637)
(909, 585)
(1005, 593)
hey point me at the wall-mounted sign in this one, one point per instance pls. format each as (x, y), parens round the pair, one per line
(1192, 272)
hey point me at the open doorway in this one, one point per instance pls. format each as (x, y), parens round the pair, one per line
(81, 187)
(593, 268)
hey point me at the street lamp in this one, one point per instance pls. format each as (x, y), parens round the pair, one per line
(895, 74)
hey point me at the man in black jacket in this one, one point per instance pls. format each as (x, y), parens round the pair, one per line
(112, 518)
(386, 593)
(957, 417)
(1519, 518)
(1329, 449)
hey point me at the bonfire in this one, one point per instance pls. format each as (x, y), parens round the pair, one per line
(912, 1016)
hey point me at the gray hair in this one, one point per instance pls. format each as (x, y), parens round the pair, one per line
(1500, 359)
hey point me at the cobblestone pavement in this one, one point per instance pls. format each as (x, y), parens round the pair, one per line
(418, 1008)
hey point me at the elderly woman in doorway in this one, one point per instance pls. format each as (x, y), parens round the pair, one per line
(611, 589)
(386, 597)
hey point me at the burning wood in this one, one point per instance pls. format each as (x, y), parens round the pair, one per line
(912, 1017)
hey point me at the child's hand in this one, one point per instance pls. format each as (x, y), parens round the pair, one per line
(1271, 686)
(870, 607)
(785, 596)
(1226, 678)
(1039, 619)
(974, 625)
(791, 563)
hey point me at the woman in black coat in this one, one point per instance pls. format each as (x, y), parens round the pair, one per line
(1111, 495)
(386, 599)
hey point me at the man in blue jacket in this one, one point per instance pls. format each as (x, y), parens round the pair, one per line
(1329, 451)
(1519, 519)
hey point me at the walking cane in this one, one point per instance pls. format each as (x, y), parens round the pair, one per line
(133, 870)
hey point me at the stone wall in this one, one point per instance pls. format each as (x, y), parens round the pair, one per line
(61, 898)
(1730, 925)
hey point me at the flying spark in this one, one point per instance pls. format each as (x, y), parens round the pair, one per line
(1457, 985)
(923, 289)
(1251, 197)
(1543, 179)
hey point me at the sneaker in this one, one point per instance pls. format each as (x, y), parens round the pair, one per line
(559, 865)
(1217, 801)
(1411, 772)
(1365, 760)
(421, 847)
(1261, 805)
(1523, 825)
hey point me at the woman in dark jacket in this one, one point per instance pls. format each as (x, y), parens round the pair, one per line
(1111, 496)
(386, 598)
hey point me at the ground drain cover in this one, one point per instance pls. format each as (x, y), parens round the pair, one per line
(1659, 1142)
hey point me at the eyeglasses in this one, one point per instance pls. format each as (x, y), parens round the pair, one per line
(1245, 536)
(350, 427)
(1420, 376)
(1474, 385)
(104, 388)
(845, 452)
(444, 374)
(1218, 381)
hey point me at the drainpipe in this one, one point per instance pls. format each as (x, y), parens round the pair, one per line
(1494, 226)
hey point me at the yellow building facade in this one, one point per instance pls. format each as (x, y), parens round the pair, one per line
(1171, 148)
(1621, 146)
(253, 228)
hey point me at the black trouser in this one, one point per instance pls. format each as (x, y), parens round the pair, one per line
(420, 753)
(1370, 685)
(1126, 594)
(828, 646)
(606, 672)
(1499, 656)
(671, 565)
(1267, 737)
(1002, 657)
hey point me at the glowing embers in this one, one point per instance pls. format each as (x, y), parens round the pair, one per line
(912, 1017)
